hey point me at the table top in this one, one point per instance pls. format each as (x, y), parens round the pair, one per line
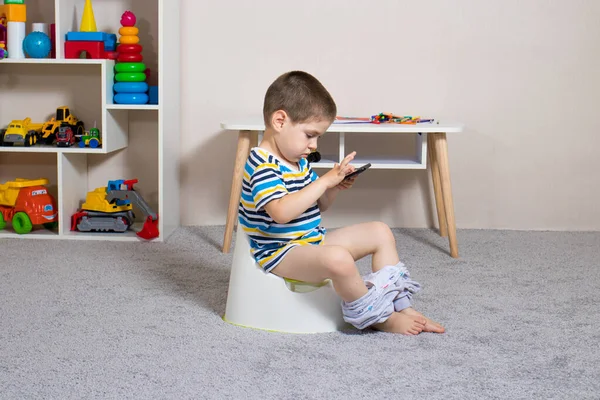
(257, 124)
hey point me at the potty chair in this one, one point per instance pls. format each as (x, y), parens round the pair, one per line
(261, 300)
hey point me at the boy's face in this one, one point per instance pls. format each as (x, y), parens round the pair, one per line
(298, 140)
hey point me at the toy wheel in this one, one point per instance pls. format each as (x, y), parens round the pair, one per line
(78, 129)
(51, 225)
(94, 143)
(29, 140)
(2, 222)
(82, 143)
(21, 223)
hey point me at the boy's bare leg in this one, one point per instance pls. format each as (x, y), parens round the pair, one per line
(377, 239)
(315, 263)
(360, 240)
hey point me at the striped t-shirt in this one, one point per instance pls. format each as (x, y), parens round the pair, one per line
(266, 178)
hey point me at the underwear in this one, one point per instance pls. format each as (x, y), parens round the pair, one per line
(389, 289)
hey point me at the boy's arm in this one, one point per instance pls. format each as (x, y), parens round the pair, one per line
(283, 207)
(327, 199)
(290, 206)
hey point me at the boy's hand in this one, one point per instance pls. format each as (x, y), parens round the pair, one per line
(337, 174)
(346, 183)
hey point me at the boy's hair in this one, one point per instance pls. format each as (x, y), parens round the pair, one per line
(301, 96)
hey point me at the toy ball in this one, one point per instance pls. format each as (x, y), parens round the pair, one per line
(37, 45)
(128, 19)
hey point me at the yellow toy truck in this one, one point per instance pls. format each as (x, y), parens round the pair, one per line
(26, 202)
(63, 115)
(21, 132)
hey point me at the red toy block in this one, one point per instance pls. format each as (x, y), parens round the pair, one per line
(53, 40)
(95, 50)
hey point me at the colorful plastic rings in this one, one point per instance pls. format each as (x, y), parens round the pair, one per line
(130, 67)
(130, 77)
(129, 40)
(130, 87)
(129, 48)
(130, 57)
(128, 31)
(131, 98)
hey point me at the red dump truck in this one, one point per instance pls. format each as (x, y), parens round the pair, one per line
(25, 203)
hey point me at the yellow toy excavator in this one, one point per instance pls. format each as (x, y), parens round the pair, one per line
(109, 209)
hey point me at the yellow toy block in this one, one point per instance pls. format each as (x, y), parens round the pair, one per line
(14, 12)
(88, 22)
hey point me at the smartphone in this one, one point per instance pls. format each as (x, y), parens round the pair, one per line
(358, 171)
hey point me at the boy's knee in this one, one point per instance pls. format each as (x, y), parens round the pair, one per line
(382, 232)
(339, 262)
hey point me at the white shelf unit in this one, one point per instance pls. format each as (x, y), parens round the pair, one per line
(86, 86)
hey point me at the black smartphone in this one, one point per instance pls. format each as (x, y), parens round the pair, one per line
(358, 171)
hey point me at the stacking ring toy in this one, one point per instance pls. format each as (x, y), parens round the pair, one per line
(128, 31)
(130, 77)
(130, 67)
(129, 39)
(130, 87)
(130, 58)
(129, 48)
(131, 98)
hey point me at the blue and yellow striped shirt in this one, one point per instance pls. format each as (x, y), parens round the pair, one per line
(267, 179)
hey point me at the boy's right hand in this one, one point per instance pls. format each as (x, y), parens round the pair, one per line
(339, 171)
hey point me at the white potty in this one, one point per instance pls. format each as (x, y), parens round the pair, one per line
(265, 301)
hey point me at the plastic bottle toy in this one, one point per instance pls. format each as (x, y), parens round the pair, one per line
(26, 203)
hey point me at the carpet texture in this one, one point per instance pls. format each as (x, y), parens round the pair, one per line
(82, 320)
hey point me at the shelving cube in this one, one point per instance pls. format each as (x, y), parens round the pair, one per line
(88, 82)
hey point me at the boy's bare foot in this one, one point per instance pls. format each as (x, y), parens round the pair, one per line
(430, 325)
(403, 323)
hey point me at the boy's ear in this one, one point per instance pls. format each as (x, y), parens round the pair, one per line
(278, 119)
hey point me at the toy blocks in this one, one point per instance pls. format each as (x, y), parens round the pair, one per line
(88, 22)
(95, 50)
(97, 45)
(14, 1)
(14, 12)
(109, 39)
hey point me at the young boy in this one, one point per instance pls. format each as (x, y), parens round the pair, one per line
(280, 210)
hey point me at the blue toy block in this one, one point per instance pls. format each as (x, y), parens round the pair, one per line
(153, 94)
(109, 39)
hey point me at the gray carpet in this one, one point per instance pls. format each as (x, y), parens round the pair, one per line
(143, 321)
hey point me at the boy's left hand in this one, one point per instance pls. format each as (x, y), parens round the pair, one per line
(347, 183)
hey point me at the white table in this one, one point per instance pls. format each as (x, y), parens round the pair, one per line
(431, 142)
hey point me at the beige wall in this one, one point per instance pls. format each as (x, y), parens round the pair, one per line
(522, 75)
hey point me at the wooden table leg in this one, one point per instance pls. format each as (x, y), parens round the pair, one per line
(243, 149)
(437, 186)
(441, 155)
